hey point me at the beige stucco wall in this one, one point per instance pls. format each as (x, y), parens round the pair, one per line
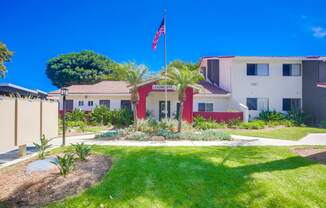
(7, 124)
(28, 121)
(50, 119)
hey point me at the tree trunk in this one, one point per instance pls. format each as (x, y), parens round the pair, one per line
(180, 116)
(135, 115)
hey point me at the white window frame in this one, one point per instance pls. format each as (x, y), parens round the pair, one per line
(80, 103)
(90, 103)
(206, 106)
(258, 104)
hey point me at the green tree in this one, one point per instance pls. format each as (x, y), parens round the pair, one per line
(85, 67)
(135, 75)
(181, 64)
(5, 56)
(182, 78)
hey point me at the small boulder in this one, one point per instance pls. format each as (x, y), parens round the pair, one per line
(157, 138)
(40, 165)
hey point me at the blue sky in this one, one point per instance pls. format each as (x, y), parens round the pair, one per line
(37, 30)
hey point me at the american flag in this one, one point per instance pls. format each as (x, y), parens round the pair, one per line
(161, 30)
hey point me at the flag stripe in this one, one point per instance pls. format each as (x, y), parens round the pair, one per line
(161, 30)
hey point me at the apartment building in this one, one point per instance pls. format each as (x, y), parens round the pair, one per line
(234, 87)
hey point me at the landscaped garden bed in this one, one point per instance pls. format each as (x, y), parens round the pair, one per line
(39, 181)
(317, 154)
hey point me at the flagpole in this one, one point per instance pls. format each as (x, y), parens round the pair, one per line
(166, 69)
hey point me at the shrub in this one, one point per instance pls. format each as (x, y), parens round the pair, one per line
(82, 150)
(257, 124)
(323, 124)
(271, 116)
(297, 117)
(100, 115)
(42, 147)
(137, 135)
(234, 123)
(79, 124)
(202, 123)
(76, 115)
(202, 135)
(168, 124)
(103, 116)
(65, 163)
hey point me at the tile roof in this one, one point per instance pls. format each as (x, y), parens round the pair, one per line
(103, 87)
(208, 88)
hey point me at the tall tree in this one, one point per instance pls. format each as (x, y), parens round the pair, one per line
(182, 78)
(85, 67)
(181, 64)
(135, 75)
(5, 56)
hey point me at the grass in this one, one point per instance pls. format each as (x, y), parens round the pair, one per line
(183, 177)
(288, 133)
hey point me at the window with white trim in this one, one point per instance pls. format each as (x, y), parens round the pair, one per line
(205, 107)
(80, 103)
(291, 104)
(291, 69)
(90, 103)
(257, 69)
(259, 104)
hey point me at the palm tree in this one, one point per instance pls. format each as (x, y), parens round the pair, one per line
(5, 55)
(134, 76)
(182, 78)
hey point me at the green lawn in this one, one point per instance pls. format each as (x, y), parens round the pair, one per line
(183, 177)
(288, 133)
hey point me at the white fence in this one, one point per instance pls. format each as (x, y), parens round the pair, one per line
(23, 121)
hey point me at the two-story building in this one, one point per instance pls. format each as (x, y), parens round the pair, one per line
(234, 87)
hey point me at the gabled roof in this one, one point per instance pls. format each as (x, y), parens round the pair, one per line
(210, 89)
(103, 87)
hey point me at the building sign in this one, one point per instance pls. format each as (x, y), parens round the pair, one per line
(163, 87)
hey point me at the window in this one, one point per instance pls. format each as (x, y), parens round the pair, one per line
(126, 104)
(80, 103)
(291, 104)
(90, 103)
(291, 70)
(105, 103)
(257, 69)
(260, 104)
(205, 107)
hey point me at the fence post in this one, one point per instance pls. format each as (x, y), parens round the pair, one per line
(16, 121)
(41, 118)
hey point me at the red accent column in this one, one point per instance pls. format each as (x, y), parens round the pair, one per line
(187, 105)
(141, 105)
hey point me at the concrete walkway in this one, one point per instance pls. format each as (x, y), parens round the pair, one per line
(7, 159)
(313, 139)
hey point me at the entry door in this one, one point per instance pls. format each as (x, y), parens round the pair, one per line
(162, 109)
(69, 105)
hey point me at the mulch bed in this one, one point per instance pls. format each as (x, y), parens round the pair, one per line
(312, 153)
(19, 189)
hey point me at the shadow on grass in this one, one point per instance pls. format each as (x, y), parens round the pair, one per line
(186, 179)
(211, 177)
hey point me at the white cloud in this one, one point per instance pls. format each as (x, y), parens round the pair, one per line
(319, 32)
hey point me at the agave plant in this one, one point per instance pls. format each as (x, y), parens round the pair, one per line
(42, 147)
(65, 163)
(82, 150)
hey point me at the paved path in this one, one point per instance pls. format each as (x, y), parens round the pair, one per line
(313, 139)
